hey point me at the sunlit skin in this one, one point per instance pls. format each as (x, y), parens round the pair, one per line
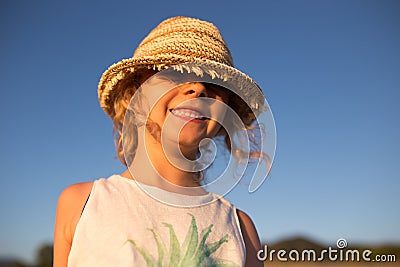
(149, 153)
(168, 113)
(183, 99)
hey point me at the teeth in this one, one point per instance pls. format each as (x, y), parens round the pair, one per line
(186, 114)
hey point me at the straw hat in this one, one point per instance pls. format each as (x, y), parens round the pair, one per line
(180, 40)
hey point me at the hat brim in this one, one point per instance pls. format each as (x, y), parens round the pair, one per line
(237, 81)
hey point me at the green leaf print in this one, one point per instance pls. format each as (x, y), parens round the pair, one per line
(191, 253)
(190, 243)
(147, 257)
(160, 248)
(174, 249)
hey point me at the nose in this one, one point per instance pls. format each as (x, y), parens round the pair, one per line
(195, 90)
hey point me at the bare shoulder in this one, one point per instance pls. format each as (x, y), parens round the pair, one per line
(244, 218)
(248, 227)
(251, 239)
(72, 201)
(74, 191)
(74, 197)
(69, 208)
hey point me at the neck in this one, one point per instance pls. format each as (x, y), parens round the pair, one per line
(151, 166)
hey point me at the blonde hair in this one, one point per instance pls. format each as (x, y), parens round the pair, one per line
(128, 86)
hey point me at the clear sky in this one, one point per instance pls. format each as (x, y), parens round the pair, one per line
(329, 69)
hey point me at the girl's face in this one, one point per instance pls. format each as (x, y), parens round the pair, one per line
(183, 113)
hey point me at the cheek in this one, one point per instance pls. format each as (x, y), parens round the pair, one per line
(159, 105)
(218, 111)
(158, 112)
(218, 117)
(214, 130)
(156, 97)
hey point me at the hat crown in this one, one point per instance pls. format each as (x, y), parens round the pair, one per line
(181, 42)
(185, 38)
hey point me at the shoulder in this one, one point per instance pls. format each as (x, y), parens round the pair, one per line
(74, 197)
(251, 239)
(76, 190)
(248, 228)
(69, 208)
(70, 205)
(244, 218)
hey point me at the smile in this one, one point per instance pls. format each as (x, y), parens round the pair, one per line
(188, 114)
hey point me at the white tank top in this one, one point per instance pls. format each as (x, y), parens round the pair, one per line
(121, 225)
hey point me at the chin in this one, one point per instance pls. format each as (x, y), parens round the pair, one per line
(190, 142)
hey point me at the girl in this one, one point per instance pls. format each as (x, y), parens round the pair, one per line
(174, 93)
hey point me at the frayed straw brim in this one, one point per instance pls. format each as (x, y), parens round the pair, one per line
(235, 80)
(175, 41)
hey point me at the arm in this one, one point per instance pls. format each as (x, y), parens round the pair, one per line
(251, 240)
(69, 208)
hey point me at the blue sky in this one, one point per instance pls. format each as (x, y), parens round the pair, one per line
(329, 69)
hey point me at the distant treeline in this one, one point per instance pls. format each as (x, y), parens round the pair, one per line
(44, 258)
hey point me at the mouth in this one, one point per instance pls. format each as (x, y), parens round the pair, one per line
(188, 114)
